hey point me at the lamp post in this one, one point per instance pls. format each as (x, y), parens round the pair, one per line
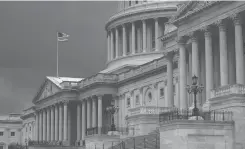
(112, 110)
(194, 88)
(26, 142)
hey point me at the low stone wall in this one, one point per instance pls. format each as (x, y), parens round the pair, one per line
(193, 134)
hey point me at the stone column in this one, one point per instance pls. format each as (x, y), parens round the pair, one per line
(83, 119)
(88, 113)
(94, 116)
(182, 73)
(156, 34)
(37, 126)
(117, 43)
(195, 63)
(65, 121)
(144, 35)
(170, 79)
(60, 122)
(133, 37)
(124, 40)
(44, 125)
(112, 45)
(56, 122)
(99, 113)
(108, 46)
(177, 104)
(78, 122)
(48, 124)
(195, 56)
(69, 124)
(52, 123)
(209, 62)
(239, 49)
(223, 54)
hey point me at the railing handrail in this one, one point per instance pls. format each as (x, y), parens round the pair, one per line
(187, 114)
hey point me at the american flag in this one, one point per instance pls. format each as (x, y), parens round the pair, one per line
(62, 36)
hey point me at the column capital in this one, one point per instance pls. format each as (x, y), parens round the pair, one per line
(206, 30)
(156, 19)
(65, 102)
(221, 24)
(181, 41)
(193, 36)
(236, 18)
(99, 96)
(165, 82)
(143, 20)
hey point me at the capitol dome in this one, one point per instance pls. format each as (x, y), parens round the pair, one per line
(133, 33)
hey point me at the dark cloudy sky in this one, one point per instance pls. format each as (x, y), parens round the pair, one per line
(28, 45)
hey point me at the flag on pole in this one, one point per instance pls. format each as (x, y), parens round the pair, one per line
(62, 36)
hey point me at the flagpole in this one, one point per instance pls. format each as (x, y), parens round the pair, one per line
(57, 54)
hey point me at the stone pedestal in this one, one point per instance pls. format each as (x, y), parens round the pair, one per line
(113, 133)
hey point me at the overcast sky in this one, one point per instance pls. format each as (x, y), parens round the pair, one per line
(28, 45)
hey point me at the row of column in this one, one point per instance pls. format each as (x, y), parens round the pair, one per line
(113, 35)
(52, 123)
(84, 121)
(239, 56)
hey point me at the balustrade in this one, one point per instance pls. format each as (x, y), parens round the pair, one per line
(149, 110)
(228, 90)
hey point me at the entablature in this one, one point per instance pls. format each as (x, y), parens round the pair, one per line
(64, 95)
(144, 11)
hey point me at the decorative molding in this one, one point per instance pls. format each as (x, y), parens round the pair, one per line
(236, 18)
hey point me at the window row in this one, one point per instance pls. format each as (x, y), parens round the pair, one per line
(12, 134)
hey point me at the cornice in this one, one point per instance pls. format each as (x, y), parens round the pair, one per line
(149, 10)
(176, 20)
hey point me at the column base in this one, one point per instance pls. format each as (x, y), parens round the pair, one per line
(79, 143)
(65, 143)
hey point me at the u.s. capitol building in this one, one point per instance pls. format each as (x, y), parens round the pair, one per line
(154, 50)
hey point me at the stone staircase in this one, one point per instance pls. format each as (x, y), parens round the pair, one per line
(150, 141)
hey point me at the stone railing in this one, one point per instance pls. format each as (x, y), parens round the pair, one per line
(148, 110)
(228, 90)
(142, 69)
(152, 5)
(99, 78)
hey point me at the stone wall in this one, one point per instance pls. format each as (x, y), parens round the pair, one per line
(193, 134)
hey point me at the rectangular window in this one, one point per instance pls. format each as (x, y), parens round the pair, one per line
(12, 134)
(30, 128)
(26, 129)
(136, 2)
(1, 133)
(162, 92)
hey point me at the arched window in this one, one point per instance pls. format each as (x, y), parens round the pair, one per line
(137, 100)
(128, 102)
(149, 96)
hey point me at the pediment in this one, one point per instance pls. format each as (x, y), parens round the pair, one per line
(47, 89)
(190, 7)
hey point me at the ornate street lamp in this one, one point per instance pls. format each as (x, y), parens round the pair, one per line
(26, 141)
(112, 110)
(194, 88)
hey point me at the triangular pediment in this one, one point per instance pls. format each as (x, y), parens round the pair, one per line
(190, 7)
(48, 88)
